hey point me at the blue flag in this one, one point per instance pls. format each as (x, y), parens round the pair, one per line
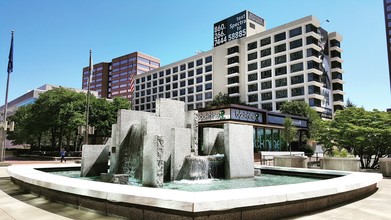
(11, 56)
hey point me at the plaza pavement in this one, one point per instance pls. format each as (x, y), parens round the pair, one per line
(17, 205)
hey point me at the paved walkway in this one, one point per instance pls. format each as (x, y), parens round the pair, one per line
(15, 204)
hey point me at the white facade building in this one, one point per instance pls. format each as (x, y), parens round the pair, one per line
(264, 68)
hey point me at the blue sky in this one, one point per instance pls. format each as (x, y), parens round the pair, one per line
(53, 38)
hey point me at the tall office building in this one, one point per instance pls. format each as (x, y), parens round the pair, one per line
(264, 68)
(387, 16)
(116, 78)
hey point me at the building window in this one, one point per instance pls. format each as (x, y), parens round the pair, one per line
(252, 66)
(233, 90)
(266, 63)
(252, 45)
(183, 67)
(190, 98)
(266, 96)
(190, 73)
(183, 83)
(252, 87)
(312, 52)
(168, 72)
(233, 60)
(265, 41)
(252, 77)
(175, 85)
(296, 55)
(295, 32)
(183, 75)
(199, 97)
(266, 52)
(281, 94)
(199, 62)
(199, 71)
(267, 106)
(313, 90)
(298, 91)
(297, 79)
(311, 28)
(281, 82)
(208, 68)
(280, 71)
(175, 69)
(175, 77)
(280, 59)
(311, 40)
(252, 56)
(233, 70)
(232, 80)
(279, 37)
(199, 79)
(313, 65)
(253, 98)
(190, 65)
(199, 88)
(208, 95)
(266, 74)
(190, 90)
(208, 86)
(232, 50)
(296, 67)
(335, 43)
(295, 44)
(208, 59)
(190, 82)
(280, 48)
(208, 77)
(266, 85)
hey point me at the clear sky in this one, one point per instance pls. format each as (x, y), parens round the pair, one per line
(53, 38)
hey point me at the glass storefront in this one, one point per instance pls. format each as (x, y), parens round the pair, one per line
(267, 139)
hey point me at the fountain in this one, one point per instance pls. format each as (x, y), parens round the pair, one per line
(163, 147)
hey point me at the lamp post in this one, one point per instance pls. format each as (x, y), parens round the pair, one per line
(91, 69)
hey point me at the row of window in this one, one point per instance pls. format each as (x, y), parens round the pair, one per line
(182, 83)
(282, 36)
(182, 75)
(278, 94)
(277, 82)
(168, 89)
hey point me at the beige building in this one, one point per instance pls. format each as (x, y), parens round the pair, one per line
(264, 68)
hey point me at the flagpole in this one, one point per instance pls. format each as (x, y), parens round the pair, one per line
(10, 69)
(91, 69)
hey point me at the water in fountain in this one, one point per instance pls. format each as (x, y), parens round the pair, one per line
(130, 153)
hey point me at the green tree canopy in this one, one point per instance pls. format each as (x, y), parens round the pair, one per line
(364, 133)
(56, 115)
(224, 99)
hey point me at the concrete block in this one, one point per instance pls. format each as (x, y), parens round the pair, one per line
(152, 125)
(338, 163)
(124, 211)
(213, 141)
(153, 164)
(114, 147)
(94, 160)
(238, 151)
(181, 149)
(291, 161)
(191, 121)
(385, 166)
(171, 109)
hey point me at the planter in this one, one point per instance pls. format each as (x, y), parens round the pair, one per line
(338, 163)
(385, 166)
(291, 161)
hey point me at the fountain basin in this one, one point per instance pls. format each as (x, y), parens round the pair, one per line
(151, 203)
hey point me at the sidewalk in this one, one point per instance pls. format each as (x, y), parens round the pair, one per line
(17, 205)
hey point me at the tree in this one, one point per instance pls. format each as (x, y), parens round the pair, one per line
(55, 116)
(224, 99)
(302, 109)
(363, 133)
(349, 104)
(288, 133)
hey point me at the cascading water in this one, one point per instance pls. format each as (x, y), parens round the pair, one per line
(204, 167)
(130, 154)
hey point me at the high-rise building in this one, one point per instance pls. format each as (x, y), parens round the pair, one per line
(264, 68)
(387, 16)
(116, 78)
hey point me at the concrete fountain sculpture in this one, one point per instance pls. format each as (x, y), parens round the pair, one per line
(163, 146)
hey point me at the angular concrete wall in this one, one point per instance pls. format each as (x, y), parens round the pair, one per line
(153, 164)
(94, 160)
(213, 141)
(238, 151)
(171, 109)
(191, 121)
(181, 149)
